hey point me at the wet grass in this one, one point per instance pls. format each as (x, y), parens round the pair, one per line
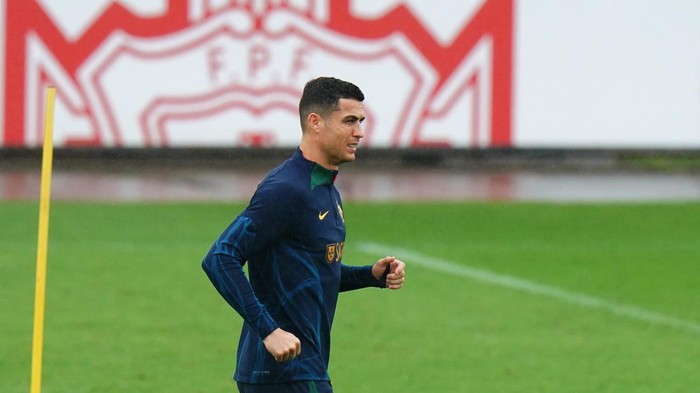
(129, 309)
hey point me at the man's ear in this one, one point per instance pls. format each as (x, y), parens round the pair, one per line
(313, 122)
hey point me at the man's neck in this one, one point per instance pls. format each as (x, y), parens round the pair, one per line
(312, 153)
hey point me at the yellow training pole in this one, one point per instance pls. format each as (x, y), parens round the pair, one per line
(42, 242)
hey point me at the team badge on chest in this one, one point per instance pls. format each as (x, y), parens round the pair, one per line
(334, 252)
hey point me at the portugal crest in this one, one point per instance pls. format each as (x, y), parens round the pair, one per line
(334, 252)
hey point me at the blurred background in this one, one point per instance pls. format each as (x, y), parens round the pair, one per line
(154, 93)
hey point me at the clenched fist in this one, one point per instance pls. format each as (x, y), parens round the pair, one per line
(282, 345)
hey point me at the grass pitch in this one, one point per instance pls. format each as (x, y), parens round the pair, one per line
(129, 308)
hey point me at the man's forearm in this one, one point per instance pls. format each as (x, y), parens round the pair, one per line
(227, 276)
(357, 277)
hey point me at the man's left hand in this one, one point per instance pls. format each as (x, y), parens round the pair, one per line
(396, 276)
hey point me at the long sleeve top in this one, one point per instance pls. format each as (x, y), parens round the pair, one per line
(292, 236)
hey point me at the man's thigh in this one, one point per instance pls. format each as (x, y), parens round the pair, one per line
(290, 387)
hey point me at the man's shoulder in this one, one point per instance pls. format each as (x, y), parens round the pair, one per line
(289, 177)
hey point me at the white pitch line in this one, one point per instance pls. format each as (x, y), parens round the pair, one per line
(415, 258)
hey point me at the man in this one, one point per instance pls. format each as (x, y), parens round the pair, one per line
(292, 235)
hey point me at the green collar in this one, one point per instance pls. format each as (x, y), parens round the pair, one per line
(321, 176)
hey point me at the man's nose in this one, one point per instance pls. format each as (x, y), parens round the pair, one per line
(358, 131)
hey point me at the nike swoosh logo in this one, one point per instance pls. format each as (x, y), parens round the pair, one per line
(321, 216)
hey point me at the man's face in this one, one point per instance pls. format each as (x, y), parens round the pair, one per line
(341, 131)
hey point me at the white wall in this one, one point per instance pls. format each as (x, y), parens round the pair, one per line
(607, 73)
(586, 74)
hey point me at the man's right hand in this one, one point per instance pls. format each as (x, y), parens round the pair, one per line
(282, 345)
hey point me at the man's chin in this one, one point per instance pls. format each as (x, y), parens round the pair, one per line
(347, 157)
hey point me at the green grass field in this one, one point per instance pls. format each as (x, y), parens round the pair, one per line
(130, 310)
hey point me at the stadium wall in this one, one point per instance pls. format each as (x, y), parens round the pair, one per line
(477, 75)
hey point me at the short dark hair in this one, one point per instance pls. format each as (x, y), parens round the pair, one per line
(321, 96)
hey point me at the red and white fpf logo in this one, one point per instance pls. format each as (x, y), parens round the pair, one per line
(229, 73)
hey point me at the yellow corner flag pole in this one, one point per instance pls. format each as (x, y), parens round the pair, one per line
(42, 242)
